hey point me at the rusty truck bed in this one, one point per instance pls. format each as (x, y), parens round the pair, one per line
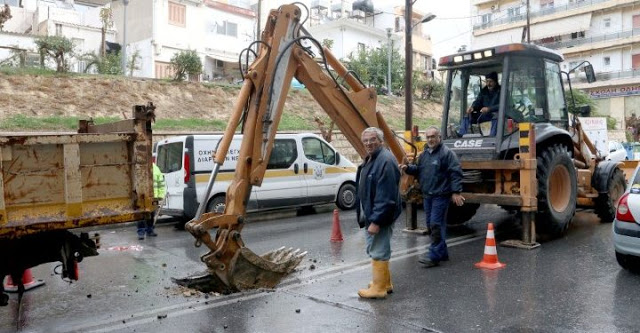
(59, 181)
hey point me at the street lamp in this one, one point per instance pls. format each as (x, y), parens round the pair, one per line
(408, 58)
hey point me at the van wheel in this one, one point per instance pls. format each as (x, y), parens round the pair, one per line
(346, 197)
(217, 204)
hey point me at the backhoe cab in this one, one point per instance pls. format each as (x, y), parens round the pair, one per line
(531, 155)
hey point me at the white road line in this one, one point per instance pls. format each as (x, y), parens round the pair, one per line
(177, 310)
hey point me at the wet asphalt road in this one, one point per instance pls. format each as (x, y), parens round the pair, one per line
(572, 284)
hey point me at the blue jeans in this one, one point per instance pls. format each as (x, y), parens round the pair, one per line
(435, 208)
(145, 227)
(379, 245)
(466, 124)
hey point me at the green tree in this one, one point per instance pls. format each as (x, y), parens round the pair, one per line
(328, 43)
(106, 17)
(59, 48)
(110, 64)
(582, 99)
(372, 64)
(186, 63)
(5, 15)
(132, 64)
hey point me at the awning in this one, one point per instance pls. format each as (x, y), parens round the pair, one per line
(559, 27)
(223, 55)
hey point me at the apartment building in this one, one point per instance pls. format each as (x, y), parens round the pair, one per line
(354, 25)
(158, 29)
(77, 20)
(605, 33)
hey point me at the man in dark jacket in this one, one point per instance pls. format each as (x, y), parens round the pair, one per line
(486, 105)
(440, 177)
(378, 205)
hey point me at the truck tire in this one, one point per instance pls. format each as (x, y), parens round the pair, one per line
(557, 190)
(346, 199)
(606, 202)
(217, 204)
(458, 215)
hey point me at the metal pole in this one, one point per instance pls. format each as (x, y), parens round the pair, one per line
(528, 25)
(124, 39)
(408, 62)
(389, 62)
(259, 23)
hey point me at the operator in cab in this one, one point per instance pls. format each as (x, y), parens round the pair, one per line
(485, 107)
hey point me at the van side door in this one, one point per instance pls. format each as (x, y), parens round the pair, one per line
(323, 177)
(169, 158)
(283, 184)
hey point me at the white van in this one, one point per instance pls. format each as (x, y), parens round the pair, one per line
(303, 170)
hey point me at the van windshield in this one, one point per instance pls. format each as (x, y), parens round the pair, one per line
(169, 157)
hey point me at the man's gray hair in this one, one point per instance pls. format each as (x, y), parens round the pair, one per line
(376, 130)
(434, 128)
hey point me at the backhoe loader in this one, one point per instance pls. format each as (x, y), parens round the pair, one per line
(500, 169)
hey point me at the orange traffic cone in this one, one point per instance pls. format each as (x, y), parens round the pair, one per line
(336, 233)
(27, 280)
(490, 258)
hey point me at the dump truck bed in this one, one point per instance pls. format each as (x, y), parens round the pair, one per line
(60, 181)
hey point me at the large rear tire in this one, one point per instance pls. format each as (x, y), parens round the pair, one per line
(458, 215)
(557, 190)
(606, 202)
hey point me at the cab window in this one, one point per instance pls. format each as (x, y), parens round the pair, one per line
(526, 99)
(555, 93)
(169, 157)
(283, 154)
(318, 151)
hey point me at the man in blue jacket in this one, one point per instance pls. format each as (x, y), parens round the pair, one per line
(485, 106)
(378, 206)
(440, 177)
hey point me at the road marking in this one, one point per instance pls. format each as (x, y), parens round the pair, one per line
(287, 285)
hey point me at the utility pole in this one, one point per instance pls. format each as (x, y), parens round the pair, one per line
(408, 63)
(389, 62)
(124, 39)
(259, 24)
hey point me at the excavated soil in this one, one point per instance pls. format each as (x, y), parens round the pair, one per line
(95, 96)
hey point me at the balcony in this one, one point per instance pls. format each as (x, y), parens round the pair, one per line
(591, 40)
(608, 76)
(539, 13)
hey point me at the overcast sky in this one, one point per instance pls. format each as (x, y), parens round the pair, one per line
(451, 27)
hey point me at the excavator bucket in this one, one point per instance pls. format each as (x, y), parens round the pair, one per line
(246, 270)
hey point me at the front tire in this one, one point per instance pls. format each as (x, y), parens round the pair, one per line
(557, 190)
(346, 197)
(606, 202)
(217, 204)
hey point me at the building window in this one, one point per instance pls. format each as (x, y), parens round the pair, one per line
(164, 70)
(486, 18)
(514, 12)
(607, 61)
(228, 29)
(58, 29)
(635, 61)
(636, 21)
(546, 4)
(576, 35)
(177, 14)
(399, 24)
(607, 22)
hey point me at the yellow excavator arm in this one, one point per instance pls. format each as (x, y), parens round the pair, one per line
(280, 58)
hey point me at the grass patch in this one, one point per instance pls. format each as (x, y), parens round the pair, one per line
(291, 122)
(190, 124)
(22, 122)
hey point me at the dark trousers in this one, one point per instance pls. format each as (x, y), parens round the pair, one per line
(435, 208)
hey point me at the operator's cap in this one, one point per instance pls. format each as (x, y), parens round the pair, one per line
(493, 76)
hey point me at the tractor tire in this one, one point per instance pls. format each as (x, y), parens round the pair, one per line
(458, 215)
(606, 202)
(557, 191)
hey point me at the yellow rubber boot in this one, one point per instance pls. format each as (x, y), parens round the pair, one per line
(387, 278)
(377, 288)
